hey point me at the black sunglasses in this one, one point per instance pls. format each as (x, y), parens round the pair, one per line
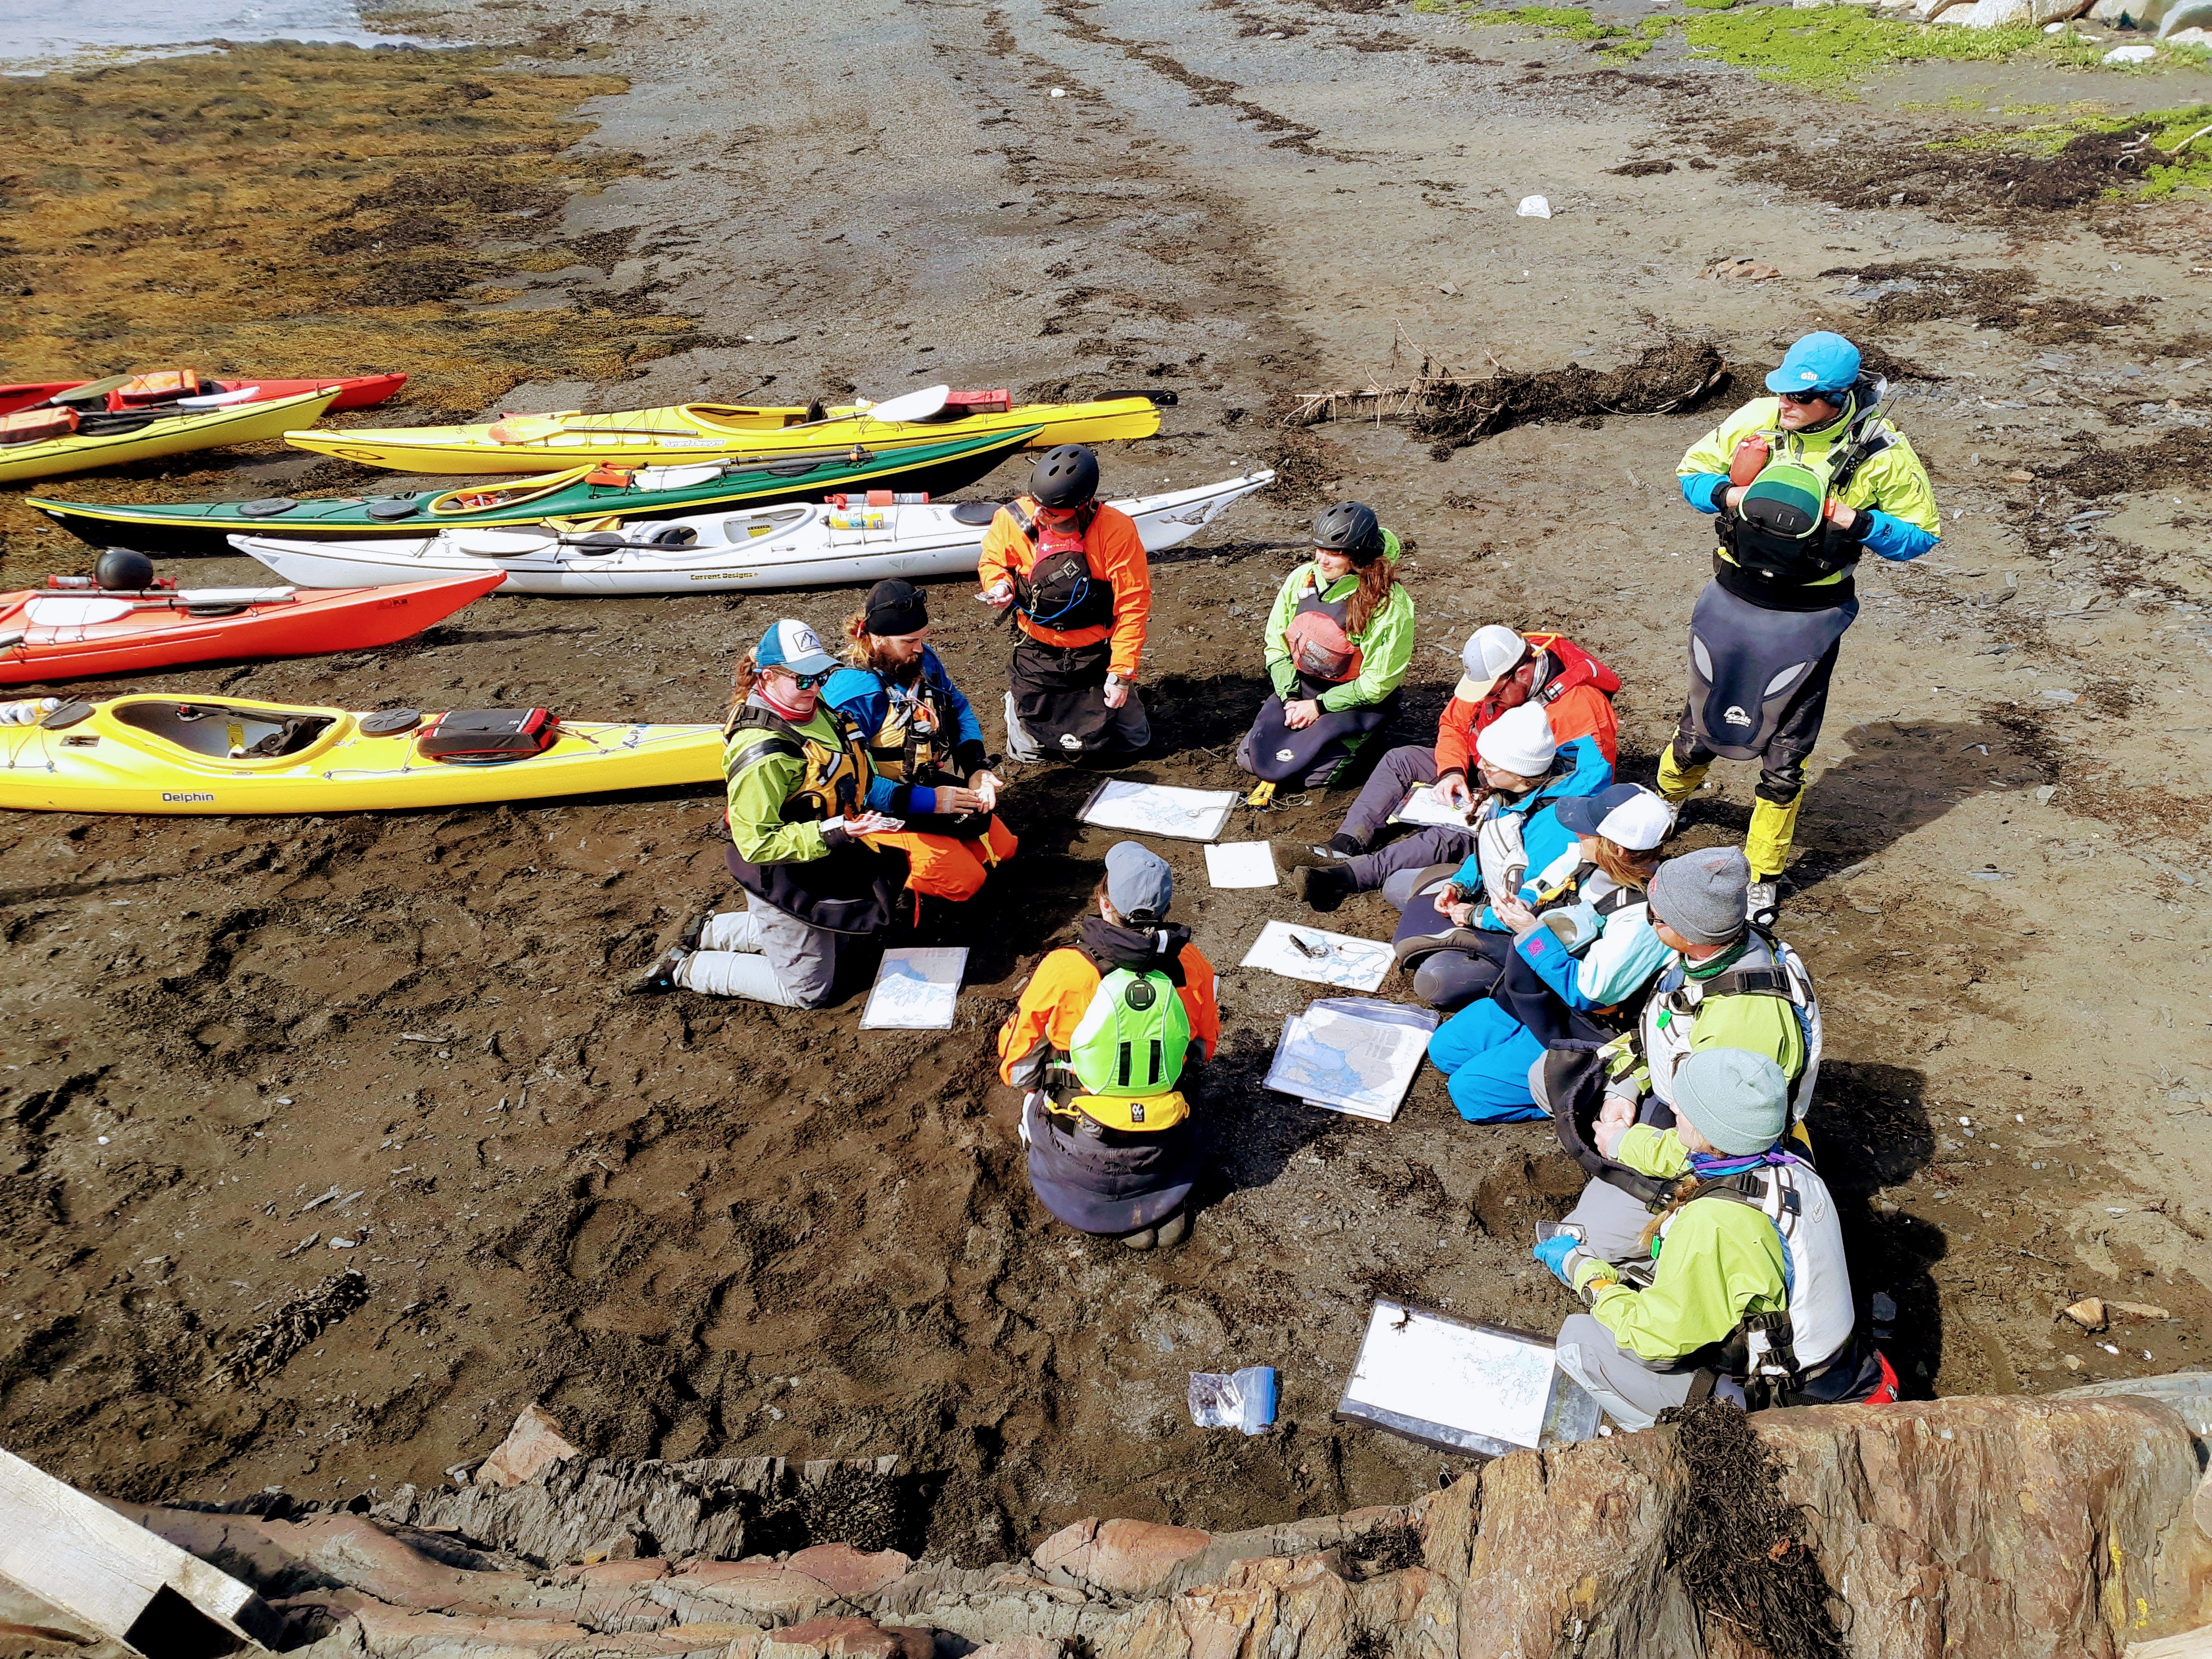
(1800, 398)
(806, 682)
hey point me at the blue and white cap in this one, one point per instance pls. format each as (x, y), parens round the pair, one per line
(791, 644)
(1819, 362)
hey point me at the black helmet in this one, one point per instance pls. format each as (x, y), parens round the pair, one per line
(120, 568)
(1066, 476)
(1349, 528)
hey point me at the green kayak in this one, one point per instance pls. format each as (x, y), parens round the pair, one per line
(586, 494)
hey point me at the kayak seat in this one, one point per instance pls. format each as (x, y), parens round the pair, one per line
(223, 731)
(387, 508)
(267, 507)
(975, 512)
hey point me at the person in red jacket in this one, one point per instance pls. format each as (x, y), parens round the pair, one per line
(1504, 670)
(1073, 570)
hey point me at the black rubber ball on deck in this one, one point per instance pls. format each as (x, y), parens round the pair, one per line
(123, 568)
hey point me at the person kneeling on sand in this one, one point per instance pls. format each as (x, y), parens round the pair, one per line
(1073, 568)
(1503, 670)
(924, 743)
(800, 829)
(1750, 1298)
(1339, 642)
(1098, 1042)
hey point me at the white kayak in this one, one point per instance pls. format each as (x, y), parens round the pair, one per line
(796, 545)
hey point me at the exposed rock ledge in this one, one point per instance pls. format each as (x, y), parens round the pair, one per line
(2005, 1527)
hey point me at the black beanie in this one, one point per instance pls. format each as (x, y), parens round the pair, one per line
(895, 608)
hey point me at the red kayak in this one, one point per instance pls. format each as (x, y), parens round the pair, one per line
(189, 389)
(49, 634)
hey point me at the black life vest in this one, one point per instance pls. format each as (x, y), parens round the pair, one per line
(919, 731)
(1060, 591)
(1797, 548)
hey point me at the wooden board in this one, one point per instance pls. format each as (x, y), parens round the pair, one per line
(88, 1561)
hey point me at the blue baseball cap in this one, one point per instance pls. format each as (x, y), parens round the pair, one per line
(1819, 362)
(791, 644)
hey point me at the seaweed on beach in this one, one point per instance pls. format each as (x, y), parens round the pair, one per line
(1675, 374)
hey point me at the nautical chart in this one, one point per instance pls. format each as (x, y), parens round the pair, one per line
(915, 990)
(1323, 959)
(1158, 809)
(1351, 1055)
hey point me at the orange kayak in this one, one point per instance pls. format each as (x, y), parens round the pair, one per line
(51, 634)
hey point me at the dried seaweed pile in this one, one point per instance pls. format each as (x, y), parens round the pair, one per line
(1737, 1547)
(1453, 411)
(1673, 374)
(267, 1345)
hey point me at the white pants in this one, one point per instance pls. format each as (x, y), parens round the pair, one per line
(762, 955)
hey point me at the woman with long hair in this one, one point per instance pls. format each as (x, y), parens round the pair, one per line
(807, 838)
(924, 741)
(1339, 642)
(1582, 946)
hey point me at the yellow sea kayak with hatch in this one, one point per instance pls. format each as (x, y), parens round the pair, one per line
(230, 755)
(103, 439)
(698, 432)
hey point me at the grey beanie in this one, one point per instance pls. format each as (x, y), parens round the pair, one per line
(1736, 1099)
(1139, 883)
(1700, 895)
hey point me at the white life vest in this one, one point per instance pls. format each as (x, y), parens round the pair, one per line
(1817, 1280)
(1666, 1042)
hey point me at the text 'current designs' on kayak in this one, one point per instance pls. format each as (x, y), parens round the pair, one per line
(234, 755)
(823, 544)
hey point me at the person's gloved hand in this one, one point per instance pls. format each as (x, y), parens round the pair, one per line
(1557, 1253)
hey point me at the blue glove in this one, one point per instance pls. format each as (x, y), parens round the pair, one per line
(1553, 1253)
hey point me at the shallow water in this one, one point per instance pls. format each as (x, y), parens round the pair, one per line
(42, 34)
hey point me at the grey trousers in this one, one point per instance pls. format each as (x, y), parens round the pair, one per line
(1632, 1393)
(763, 954)
(1398, 772)
(1439, 844)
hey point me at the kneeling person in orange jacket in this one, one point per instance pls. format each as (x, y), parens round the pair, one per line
(1098, 1041)
(1073, 570)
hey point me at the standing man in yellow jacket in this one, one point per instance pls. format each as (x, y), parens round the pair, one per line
(1802, 483)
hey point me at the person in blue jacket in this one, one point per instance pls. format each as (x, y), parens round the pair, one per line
(1583, 944)
(924, 743)
(1449, 935)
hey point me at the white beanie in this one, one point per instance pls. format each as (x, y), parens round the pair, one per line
(1489, 653)
(1519, 740)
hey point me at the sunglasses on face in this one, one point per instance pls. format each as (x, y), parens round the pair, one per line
(1801, 398)
(806, 682)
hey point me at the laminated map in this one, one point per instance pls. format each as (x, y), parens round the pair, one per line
(915, 990)
(1462, 1387)
(1352, 1055)
(1159, 809)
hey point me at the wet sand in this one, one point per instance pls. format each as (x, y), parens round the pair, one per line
(697, 1227)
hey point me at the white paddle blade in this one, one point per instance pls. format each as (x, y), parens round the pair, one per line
(911, 406)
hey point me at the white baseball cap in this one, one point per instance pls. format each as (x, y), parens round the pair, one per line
(1639, 824)
(791, 644)
(1489, 654)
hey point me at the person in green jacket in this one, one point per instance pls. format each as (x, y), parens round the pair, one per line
(800, 784)
(1339, 640)
(1800, 485)
(1739, 1286)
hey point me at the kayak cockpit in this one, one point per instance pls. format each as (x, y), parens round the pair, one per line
(222, 731)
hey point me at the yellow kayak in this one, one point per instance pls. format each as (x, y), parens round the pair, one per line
(107, 440)
(696, 432)
(225, 755)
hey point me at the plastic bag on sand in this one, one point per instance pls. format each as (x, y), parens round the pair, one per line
(1243, 1400)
